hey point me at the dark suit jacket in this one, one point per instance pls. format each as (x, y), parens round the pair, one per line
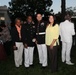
(40, 27)
(28, 34)
(15, 36)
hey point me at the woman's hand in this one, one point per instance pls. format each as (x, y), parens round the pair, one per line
(51, 46)
(15, 48)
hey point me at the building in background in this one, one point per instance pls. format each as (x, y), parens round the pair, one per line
(4, 17)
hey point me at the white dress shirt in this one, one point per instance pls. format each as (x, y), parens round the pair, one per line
(66, 31)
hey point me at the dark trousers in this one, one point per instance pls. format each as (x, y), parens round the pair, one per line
(7, 46)
(53, 58)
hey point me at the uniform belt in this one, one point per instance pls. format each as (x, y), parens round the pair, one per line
(41, 33)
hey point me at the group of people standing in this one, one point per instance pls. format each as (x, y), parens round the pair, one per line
(45, 36)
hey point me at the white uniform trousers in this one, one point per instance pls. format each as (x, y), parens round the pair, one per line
(66, 50)
(28, 56)
(18, 54)
(42, 52)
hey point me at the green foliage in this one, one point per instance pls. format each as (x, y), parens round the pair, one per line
(21, 8)
(71, 10)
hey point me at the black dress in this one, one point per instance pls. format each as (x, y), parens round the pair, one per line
(3, 55)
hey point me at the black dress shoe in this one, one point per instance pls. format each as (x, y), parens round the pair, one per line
(27, 67)
(32, 65)
(54, 71)
(44, 67)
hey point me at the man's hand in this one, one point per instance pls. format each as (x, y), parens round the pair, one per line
(33, 40)
(36, 42)
(25, 45)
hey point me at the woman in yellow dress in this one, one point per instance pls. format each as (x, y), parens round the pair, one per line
(52, 34)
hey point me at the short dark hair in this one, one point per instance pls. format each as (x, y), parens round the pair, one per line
(29, 16)
(67, 16)
(17, 19)
(38, 13)
(68, 13)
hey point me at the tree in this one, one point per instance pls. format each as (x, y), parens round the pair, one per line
(63, 7)
(71, 10)
(21, 8)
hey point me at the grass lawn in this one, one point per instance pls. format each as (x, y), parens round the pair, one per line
(8, 68)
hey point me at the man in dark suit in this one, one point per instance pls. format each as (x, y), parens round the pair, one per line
(40, 40)
(28, 33)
